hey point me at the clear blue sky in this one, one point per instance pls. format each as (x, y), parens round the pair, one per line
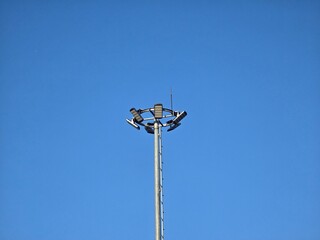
(245, 163)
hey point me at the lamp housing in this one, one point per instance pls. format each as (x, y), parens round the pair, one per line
(179, 117)
(173, 126)
(133, 124)
(149, 129)
(136, 115)
(158, 111)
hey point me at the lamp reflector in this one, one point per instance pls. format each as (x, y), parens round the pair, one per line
(137, 117)
(158, 111)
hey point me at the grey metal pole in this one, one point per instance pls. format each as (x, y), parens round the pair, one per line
(157, 183)
(161, 183)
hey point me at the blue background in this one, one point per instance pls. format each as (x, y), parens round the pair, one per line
(243, 165)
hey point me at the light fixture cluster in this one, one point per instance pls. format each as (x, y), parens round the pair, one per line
(158, 112)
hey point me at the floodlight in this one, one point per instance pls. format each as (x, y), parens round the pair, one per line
(132, 123)
(174, 126)
(149, 129)
(179, 117)
(158, 109)
(136, 115)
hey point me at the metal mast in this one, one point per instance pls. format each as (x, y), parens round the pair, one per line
(153, 125)
(161, 184)
(157, 185)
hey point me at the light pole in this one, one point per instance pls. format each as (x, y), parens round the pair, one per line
(153, 125)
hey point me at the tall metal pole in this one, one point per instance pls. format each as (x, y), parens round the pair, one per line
(161, 183)
(157, 190)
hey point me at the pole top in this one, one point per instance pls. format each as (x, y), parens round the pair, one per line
(149, 118)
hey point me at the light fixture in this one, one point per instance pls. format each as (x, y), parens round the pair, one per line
(174, 126)
(137, 117)
(132, 123)
(149, 129)
(179, 117)
(158, 110)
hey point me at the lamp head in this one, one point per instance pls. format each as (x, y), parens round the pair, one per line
(133, 124)
(158, 111)
(136, 115)
(179, 117)
(174, 126)
(149, 129)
